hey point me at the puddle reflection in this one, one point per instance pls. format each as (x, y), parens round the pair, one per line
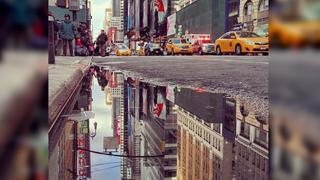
(175, 132)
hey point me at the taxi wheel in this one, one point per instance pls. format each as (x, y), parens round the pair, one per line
(238, 50)
(218, 50)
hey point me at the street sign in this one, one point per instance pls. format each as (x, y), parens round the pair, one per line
(82, 116)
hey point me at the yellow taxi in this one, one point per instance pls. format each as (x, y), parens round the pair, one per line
(140, 49)
(122, 50)
(294, 33)
(178, 46)
(240, 42)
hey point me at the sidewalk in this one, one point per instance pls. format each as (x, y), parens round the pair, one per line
(64, 76)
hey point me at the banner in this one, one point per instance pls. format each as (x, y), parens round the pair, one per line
(170, 93)
(171, 24)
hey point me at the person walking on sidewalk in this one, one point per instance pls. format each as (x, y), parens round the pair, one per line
(102, 41)
(68, 31)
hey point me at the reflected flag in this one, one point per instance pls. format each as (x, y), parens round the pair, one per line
(157, 109)
(159, 5)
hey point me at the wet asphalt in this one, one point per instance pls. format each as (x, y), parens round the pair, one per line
(244, 77)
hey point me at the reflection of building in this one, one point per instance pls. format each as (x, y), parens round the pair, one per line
(62, 142)
(254, 14)
(134, 130)
(158, 134)
(184, 3)
(252, 149)
(206, 131)
(107, 91)
(118, 92)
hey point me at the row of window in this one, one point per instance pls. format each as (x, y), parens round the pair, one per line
(262, 6)
(252, 157)
(200, 131)
(260, 136)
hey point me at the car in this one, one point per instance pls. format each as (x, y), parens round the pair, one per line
(240, 42)
(122, 50)
(153, 49)
(178, 46)
(203, 48)
(140, 48)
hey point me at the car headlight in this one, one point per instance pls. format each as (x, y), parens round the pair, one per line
(249, 42)
(151, 49)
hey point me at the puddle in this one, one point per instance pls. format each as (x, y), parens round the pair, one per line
(164, 130)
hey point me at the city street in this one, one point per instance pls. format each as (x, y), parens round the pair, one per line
(197, 110)
(238, 76)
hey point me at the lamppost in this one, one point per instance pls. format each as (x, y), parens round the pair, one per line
(92, 135)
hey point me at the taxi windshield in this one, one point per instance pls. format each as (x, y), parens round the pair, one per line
(247, 35)
(121, 46)
(179, 41)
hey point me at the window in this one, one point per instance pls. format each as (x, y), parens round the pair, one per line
(261, 138)
(248, 8)
(247, 34)
(263, 5)
(245, 130)
(226, 36)
(232, 35)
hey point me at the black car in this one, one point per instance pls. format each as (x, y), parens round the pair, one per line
(153, 49)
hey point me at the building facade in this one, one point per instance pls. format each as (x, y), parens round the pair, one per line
(117, 24)
(118, 18)
(204, 17)
(116, 8)
(254, 15)
(107, 19)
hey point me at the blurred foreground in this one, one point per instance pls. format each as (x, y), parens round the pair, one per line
(23, 94)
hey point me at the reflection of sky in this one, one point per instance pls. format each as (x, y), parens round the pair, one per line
(103, 118)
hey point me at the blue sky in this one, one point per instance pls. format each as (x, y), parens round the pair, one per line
(97, 12)
(104, 129)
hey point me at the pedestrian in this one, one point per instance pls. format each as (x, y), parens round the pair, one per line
(68, 32)
(101, 41)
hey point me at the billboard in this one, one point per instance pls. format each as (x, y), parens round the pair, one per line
(171, 24)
